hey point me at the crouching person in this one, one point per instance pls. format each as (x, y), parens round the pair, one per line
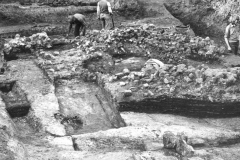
(80, 24)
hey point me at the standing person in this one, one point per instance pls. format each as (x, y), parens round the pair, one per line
(104, 13)
(232, 34)
(80, 24)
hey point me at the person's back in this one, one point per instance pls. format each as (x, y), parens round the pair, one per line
(103, 6)
(104, 13)
(79, 18)
(80, 24)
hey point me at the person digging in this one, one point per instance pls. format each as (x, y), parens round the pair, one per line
(80, 24)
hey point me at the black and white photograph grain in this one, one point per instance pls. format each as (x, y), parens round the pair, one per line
(119, 80)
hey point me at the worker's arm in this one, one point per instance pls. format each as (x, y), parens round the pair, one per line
(84, 26)
(70, 25)
(83, 30)
(226, 36)
(109, 7)
(70, 28)
(98, 11)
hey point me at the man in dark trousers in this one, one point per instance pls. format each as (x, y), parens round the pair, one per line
(80, 24)
(104, 13)
(232, 34)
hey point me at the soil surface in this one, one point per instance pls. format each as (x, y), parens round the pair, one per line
(113, 94)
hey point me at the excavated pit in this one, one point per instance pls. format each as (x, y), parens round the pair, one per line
(16, 102)
(84, 108)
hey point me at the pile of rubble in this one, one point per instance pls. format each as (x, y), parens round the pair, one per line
(144, 41)
(181, 81)
(28, 44)
(176, 79)
(178, 143)
(163, 44)
(25, 43)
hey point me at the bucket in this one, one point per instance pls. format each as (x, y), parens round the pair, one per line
(184, 30)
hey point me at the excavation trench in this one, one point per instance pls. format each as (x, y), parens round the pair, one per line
(84, 106)
(87, 107)
(16, 102)
(86, 102)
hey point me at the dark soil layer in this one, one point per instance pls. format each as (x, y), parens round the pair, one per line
(192, 108)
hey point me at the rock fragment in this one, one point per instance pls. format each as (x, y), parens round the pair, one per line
(179, 143)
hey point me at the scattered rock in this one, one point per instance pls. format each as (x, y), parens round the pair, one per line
(152, 155)
(127, 93)
(61, 142)
(55, 53)
(179, 143)
(145, 85)
(153, 146)
(122, 83)
(195, 158)
(126, 71)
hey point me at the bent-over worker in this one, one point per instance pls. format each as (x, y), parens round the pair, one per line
(80, 24)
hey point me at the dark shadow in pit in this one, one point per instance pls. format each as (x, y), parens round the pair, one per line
(184, 107)
(19, 54)
(15, 99)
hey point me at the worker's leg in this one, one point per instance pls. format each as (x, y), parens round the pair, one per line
(103, 21)
(234, 47)
(108, 21)
(76, 31)
(83, 29)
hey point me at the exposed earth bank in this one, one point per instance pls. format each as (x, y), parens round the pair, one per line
(207, 18)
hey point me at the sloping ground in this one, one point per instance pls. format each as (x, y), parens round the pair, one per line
(207, 18)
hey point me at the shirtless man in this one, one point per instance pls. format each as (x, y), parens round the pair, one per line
(80, 24)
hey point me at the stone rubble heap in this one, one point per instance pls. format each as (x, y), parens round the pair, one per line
(172, 77)
(147, 41)
(36, 41)
(181, 81)
(165, 45)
